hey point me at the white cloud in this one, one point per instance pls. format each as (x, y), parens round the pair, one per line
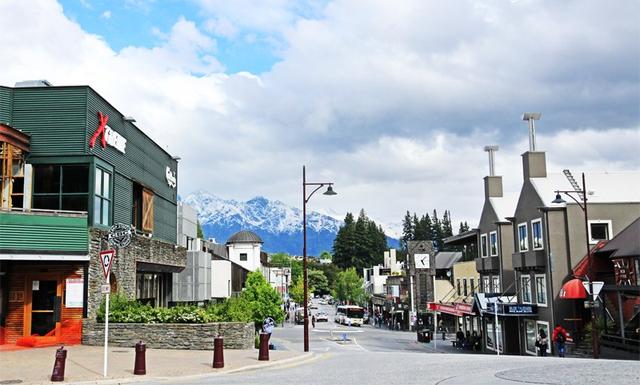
(393, 101)
(106, 14)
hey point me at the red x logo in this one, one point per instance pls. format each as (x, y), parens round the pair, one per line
(103, 118)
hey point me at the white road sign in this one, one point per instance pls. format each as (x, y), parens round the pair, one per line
(106, 260)
(597, 286)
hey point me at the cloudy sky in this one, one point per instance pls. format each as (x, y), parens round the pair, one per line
(391, 100)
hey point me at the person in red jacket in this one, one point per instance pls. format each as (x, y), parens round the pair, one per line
(559, 337)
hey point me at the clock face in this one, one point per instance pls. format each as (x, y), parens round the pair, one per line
(625, 272)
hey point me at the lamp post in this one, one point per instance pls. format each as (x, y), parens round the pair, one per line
(583, 205)
(305, 199)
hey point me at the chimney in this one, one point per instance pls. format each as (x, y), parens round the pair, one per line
(492, 183)
(534, 164)
(531, 117)
(386, 259)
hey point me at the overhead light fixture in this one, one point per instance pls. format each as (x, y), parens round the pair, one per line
(330, 191)
(558, 199)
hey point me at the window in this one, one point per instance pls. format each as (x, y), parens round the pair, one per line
(102, 198)
(142, 208)
(485, 285)
(493, 243)
(243, 256)
(483, 244)
(541, 289)
(544, 326)
(599, 230)
(531, 335)
(523, 238)
(464, 286)
(536, 234)
(525, 282)
(61, 187)
(458, 286)
(471, 285)
(490, 336)
(11, 176)
(495, 280)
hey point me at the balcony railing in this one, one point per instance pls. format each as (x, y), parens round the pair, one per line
(488, 264)
(529, 260)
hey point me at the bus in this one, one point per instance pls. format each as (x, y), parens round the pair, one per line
(349, 315)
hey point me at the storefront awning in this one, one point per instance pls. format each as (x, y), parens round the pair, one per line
(457, 309)
(573, 289)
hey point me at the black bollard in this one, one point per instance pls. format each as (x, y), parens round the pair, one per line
(218, 353)
(58, 366)
(263, 355)
(140, 366)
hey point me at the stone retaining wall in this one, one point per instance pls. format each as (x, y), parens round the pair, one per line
(237, 335)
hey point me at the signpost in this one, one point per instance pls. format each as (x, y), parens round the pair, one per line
(597, 286)
(106, 260)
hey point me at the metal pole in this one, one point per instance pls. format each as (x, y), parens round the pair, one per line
(413, 307)
(594, 332)
(495, 326)
(106, 329)
(304, 258)
(435, 317)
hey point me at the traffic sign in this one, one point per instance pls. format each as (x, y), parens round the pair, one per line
(268, 324)
(597, 286)
(106, 260)
(105, 289)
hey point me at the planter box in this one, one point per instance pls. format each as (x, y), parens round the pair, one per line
(237, 335)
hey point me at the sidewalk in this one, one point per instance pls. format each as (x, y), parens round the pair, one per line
(84, 363)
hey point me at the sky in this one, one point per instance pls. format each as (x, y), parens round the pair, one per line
(393, 101)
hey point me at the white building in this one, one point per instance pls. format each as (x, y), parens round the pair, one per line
(245, 249)
(375, 278)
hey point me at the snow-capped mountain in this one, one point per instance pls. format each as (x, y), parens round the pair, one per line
(279, 225)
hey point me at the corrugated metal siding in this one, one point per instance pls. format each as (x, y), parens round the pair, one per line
(39, 232)
(54, 117)
(164, 221)
(6, 103)
(122, 205)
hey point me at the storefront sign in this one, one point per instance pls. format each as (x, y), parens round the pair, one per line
(445, 308)
(120, 235)
(74, 292)
(172, 180)
(107, 135)
(519, 309)
(464, 308)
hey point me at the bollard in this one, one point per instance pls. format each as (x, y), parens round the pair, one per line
(218, 353)
(140, 366)
(264, 347)
(58, 366)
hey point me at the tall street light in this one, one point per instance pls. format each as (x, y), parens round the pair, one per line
(305, 199)
(582, 194)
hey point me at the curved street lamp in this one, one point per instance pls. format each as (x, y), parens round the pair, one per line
(305, 199)
(582, 194)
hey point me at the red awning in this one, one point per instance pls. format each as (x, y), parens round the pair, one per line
(573, 289)
(445, 308)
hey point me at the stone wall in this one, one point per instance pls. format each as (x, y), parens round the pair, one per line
(123, 270)
(237, 335)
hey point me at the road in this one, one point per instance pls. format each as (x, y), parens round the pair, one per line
(380, 356)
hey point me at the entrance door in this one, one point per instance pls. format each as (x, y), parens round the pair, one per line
(44, 307)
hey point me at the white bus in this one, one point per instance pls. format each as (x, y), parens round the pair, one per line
(349, 315)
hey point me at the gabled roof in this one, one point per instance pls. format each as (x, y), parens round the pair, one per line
(602, 187)
(505, 206)
(625, 244)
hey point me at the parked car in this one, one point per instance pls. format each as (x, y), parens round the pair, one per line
(322, 317)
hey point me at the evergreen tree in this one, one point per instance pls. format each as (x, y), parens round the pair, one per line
(463, 227)
(359, 244)
(199, 232)
(407, 230)
(344, 244)
(447, 230)
(437, 230)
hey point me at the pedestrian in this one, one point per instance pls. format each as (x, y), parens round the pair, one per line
(460, 339)
(559, 337)
(475, 341)
(313, 321)
(542, 343)
(442, 329)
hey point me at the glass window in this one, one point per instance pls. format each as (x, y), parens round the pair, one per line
(493, 243)
(458, 286)
(525, 281)
(599, 231)
(483, 241)
(101, 201)
(12, 161)
(243, 256)
(541, 289)
(471, 284)
(496, 284)
(523, 237)
(544, 326)
(536, 233)
(464, 286)
(490, 335)
(485, 285)
(61, 187)
(530, 334)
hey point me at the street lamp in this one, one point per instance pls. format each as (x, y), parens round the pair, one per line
(582, 194)
(305, 199)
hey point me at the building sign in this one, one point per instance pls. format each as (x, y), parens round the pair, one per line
(74, 292)
(172, 180)
(625, 272)
(444, 308)
(519, 309)
(464, 307)
(120, 235)
(107, 135)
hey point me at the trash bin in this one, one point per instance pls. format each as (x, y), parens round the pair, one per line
(420, 336)
(424, 335)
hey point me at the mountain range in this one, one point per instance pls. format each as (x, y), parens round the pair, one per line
(279, 225)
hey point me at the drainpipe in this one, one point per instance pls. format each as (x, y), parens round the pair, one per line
(551, 300)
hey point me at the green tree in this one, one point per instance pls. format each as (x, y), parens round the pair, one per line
(407, 230)
(359, 243)
(350, 287)
(261, 299)
(296, 291)
(199, 232)
(344, 245)
(280, 260)
(330, 271)
(325, 255)
(464, 226)
(318, 282)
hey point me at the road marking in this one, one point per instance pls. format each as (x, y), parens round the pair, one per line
(358, 345)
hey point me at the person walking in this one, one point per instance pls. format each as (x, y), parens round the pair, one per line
(442, 329)
(313, 321)
(459, 339)
(559, 337)
(542, 343)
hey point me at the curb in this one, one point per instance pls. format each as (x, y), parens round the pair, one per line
(254, 367)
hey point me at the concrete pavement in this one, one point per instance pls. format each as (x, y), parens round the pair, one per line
(85, 363)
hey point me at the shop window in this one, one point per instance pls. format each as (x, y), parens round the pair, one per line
(490, 336)
(493, 243)
(243, 256)
(11, 176)
(495, 280)
(102, 198)
(536, 234)
(483, 245)
(530, 336)
(525, 286)
(61, 187)
(599, 230)
(523, 237)
(142, 208)
(541, 289)
(544, 326)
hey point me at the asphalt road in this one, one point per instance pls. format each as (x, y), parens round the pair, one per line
(379, 356)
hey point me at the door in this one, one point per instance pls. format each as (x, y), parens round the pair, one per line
(45, 308)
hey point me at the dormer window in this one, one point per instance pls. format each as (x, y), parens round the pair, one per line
(243, 257)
